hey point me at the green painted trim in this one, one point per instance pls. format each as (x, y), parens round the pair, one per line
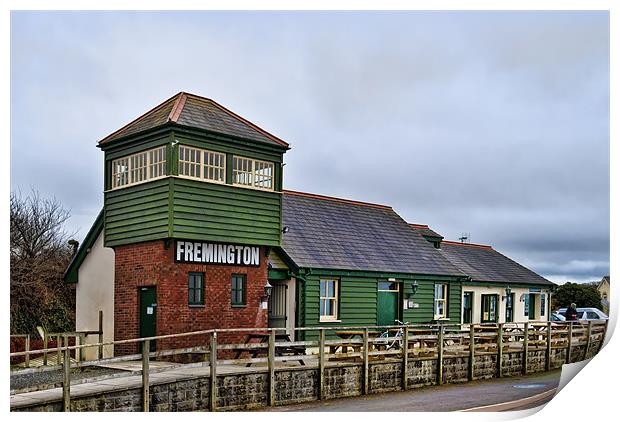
(71, 273)
(277, 274)
(380, 274)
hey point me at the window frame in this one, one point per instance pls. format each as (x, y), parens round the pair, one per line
(133, 158)
(335, 298)
(468, 311)
(197, 276)
(203, 153)
(495, 298)
(244, 283)
(251, 173)
(444, 315)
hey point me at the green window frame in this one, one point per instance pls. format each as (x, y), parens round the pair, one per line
(526, 303)
(510, 303)
(468, 307)
(196, 289)
(489, 306)
(238, 289)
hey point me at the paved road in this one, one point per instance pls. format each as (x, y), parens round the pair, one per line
(445, 398)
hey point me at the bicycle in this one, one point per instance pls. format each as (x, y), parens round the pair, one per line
(395, 342)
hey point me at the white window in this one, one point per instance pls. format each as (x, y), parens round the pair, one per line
(441, 295)
(120, 172)
(328, 300)
(202, 164)
(242, 171)
(189, 162)
(253, 173)
(157, 162)
(138, 168)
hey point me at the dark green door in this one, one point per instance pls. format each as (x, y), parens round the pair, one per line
(532, 307)
(387, 302)
(148, 314)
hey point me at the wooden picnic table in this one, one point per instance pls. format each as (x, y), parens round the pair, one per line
(350, 335)
(280, 350)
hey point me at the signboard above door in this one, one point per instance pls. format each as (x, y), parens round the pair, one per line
(216, 253)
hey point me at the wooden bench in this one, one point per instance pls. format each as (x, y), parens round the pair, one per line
(280, 350)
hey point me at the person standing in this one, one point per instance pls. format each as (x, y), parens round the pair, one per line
(571, 312)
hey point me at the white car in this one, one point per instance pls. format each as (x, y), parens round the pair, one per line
(557, 317)
(587, 314)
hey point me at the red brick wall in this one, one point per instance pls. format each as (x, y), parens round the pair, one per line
(151, 264)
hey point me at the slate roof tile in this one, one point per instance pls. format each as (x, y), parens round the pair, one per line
(331, 233)
(193, 111)
(483, 263)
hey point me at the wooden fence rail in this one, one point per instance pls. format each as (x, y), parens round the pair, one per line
(399, 344)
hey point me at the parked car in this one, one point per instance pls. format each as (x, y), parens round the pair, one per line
(587, 314)
(557, 317)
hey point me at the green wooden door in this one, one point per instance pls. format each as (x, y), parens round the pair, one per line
(532, 307)
(148, 314)
(387, 308)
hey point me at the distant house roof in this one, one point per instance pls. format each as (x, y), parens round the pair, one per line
(424, 230)
(340, 234)
(604, 280)
(193, 111)
(483, 263)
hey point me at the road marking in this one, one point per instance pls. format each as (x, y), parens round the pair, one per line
(499, 407)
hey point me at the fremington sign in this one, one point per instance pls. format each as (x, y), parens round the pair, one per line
(216, 253)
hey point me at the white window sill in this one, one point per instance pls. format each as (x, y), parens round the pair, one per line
(441, 319)
(330, 320)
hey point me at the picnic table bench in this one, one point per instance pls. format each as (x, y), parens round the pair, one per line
(280, 349)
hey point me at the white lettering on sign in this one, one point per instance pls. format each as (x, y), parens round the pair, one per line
(217, 253)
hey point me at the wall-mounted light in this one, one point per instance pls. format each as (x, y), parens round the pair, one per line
(414, 288)
(268, 288)
(508, 291)
(285, 229)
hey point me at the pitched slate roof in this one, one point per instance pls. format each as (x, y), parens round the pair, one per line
(424, 230)
(483, 263)
(340, 234)
(194, 111)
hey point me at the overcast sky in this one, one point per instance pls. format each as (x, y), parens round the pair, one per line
(493, 124)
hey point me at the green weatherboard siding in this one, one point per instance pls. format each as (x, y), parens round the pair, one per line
(225, 213)
(193, 210)
(175, 207)
(359, 300)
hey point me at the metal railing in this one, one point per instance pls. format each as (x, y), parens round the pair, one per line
(337, 346)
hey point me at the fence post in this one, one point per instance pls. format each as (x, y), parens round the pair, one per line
(100, 352)
(272, 368)
(548, 357)
(44, 348)
(58, 348)
(405, 356)
(321, 363)
(600, 344)
(472, 349)
(213, 373)
(66, 379)
(365, 358)
(588, 340)
(500, 350)
(146, 349)
(27, 350)
(526, 345)
(440, 356)
(569, 350)
(78, 352)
